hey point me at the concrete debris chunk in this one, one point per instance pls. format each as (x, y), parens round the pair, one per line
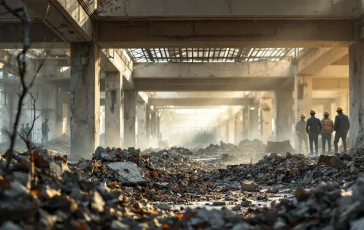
(127, 172)
(249, 186)
(279, 147)
(331, 160)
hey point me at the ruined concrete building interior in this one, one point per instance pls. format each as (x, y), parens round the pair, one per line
(149, 114)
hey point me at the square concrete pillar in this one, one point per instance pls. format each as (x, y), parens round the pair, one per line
(85, 99)
(154, 127)
(356, 86)
(113, 109)
(254, 123)
(303, 96)
(130, 97)
(231, 127)
(238, 127)
(158, 128)
(284, 116)
(266, 105)
(246, 123)
(148, 125)
(142, 124)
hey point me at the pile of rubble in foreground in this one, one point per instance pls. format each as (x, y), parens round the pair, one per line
(115, 189)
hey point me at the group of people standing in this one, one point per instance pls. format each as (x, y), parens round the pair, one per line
(26, 133)
(314, 127)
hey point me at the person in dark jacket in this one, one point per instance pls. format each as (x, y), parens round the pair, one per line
(301, 132)
(327, 129)
(313, 128)
(45, 131)
(341, 126)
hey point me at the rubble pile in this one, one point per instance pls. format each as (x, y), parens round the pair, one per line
(127, 189)
(163, 176)
(245, 151)
(295, 169)
(55, 197)
(323, 207)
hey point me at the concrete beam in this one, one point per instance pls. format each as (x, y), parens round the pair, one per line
(167, 95)
(114, 60)
(337, 71)
(209, 84)
(11, 36)
(221, 8)
(210, 70)
(317, 59)
(226, 33)
(200, 101)
(49, 72)
(187, 107)
(68, 19)
(330, 84)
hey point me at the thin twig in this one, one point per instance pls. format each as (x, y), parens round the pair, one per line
(22, 14)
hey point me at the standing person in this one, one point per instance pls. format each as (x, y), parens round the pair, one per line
(27, 132)
(313, 128)
(301, 132)
(22, 132)
(341, 126)
(45, 131)
(327, 129)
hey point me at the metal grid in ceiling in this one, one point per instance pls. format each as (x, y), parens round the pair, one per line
(211, 54)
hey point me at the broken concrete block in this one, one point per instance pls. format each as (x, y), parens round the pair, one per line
(331, 160)
(279, 147)
(23, 178)
(127, 172)
(249, 186)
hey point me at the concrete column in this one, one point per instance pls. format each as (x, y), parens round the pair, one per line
(129, 118)
(85, 99)
(59, 116)
(113, 109)
(153, 126)
(148, 125)
(141, 121)
(304, 95)
(238, 127)
(284, 108)
(158, 128)
(266, 105)
(246, 123)
(231, 127)
(356, 86)
(254, 123)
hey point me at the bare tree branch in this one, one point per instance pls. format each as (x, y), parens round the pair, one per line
(22, 14)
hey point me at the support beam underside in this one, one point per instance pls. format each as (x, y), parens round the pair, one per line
(226, 33)
(210, 84)
(200, 101)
